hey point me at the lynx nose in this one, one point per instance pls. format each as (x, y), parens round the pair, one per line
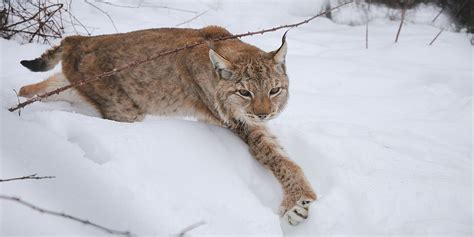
(262, 116)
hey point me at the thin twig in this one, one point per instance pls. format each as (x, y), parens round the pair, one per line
(67, 216)
(35, 15)
(40, 19)
(105, 13)
(168, 8)
(455, 16)
(404, 9)
(115, 5)
(164, 53)
(42, 23)
(74, 18)
(192, 19)
(191, 227)
(436, 37)
(29, 32)
(141, 5)
(33, 176)
(18, 99)
(439, 13)
(68, 10)
(367, 26)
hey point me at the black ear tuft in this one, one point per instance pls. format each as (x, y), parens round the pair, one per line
(279, 55)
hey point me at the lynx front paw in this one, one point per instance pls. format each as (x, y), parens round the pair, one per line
(298, 212)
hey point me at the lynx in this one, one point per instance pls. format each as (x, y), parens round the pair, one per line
(227, 83)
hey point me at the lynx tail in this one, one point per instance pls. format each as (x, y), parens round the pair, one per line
(46, 62)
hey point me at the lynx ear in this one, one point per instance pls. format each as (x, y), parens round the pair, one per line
(222, 66)
(280, 54)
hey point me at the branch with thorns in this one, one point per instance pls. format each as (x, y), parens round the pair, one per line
(33, 176)
(164, 53)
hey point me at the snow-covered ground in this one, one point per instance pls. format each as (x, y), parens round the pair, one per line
(384, 135)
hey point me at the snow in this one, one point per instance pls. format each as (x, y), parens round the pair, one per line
(384, 135)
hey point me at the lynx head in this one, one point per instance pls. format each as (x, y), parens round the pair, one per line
(251, 89)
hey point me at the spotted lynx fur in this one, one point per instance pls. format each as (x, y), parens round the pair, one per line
(227, 83)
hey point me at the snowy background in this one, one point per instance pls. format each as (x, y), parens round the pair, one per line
(384, 134)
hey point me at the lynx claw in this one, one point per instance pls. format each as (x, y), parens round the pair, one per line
(298, 212)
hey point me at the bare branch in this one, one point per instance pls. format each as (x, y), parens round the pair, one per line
(73, 19)
(164, 53)
(66, 216)
(439, 13)
(105, 13)
(404, 10)
(42, 23)
(141, 5)
(367, 26)
(190, 228)
(169, 8)
(33, 176)
(441, 31)
(115, 5)
(36, 14)
(192, 19)
(436, 37)
(39, 20)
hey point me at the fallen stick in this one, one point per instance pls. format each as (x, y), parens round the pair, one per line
(66, 216)
(33, 176)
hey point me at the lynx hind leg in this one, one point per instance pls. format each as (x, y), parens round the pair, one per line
(54, 82)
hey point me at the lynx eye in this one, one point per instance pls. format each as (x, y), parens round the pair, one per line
(245, 93)
(275, 90)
